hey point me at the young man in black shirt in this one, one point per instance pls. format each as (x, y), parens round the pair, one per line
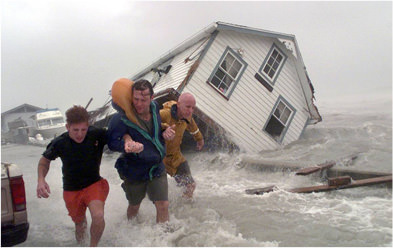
(80, 150)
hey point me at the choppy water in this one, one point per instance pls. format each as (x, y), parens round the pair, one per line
(222, 214)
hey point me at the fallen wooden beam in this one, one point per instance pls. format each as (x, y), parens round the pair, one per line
(309, 170)
(260, 191)
(321, 188)
(292, 165)
(339, 181)
(354, 173)
(357, 183)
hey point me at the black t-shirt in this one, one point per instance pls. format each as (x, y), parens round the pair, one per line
(81, 161)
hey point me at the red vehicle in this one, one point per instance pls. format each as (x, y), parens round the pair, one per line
(14, 223)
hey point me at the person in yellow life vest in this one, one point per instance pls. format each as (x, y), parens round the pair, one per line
(179, 115)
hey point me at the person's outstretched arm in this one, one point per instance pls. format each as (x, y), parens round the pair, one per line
(43, 189)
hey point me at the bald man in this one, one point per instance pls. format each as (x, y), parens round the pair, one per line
(178, 116)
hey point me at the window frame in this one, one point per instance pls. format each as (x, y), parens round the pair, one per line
(288, 122)
(273, 80)
(235, 81)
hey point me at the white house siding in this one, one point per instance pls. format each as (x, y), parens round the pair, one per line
(179, 69)
(233, 115)
(290, 88)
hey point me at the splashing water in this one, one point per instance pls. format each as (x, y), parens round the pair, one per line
(221, 214)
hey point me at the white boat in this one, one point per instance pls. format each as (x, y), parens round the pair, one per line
(48, 123)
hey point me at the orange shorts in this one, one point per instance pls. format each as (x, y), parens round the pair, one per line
(77, 201)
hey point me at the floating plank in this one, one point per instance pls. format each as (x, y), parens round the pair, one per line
(354, 173)
(260, 191)
(339, 181)
(309, 170)
(322, 188)
(357, 183)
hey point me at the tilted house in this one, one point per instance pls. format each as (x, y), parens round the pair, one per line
(251, 85)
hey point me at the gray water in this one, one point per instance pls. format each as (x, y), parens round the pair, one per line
(221, 214)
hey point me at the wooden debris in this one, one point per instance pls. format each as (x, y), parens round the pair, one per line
(357, 183)
(339, 181)
(354, 173)
(87, 105)
(309, 170)
(260, 191)
(340, 184)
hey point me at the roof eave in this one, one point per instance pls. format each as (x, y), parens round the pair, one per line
(207, 31)
(253, 31)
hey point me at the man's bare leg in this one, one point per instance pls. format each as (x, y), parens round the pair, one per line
(80, 230)
(132, 211)
(97, 227)
(162, 211)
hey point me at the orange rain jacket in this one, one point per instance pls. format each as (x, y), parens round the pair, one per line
(174, 157)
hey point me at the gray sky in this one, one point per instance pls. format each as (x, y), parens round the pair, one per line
(60, 53)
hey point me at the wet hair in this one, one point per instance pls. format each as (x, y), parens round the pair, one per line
(77, 114)
(143, 84)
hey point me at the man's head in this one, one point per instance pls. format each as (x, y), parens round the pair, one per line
(185, 105)
(77, 124)
(142, 95)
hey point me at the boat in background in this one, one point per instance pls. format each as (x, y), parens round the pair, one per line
(48, 123)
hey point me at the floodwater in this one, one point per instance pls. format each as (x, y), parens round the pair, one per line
(221, 214)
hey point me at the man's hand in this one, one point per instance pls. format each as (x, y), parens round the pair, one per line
(200, 144)
(169, 133)
(132, 146)
(43, 189)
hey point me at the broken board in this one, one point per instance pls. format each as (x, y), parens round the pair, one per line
(260, 191)
(321, 188)
(339, 181)
(357, 183)
(309, 170)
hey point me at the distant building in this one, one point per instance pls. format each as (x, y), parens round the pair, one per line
(15, 123)
(18, 117)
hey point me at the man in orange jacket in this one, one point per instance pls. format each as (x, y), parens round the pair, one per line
(180, 114)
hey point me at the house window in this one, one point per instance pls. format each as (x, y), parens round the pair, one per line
(279, 120)
(227, 72)
(272, 65)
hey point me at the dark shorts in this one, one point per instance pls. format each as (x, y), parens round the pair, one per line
(156, 189)
(183, 175)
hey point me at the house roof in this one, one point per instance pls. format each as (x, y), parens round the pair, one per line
(207, 31)
(24, 108)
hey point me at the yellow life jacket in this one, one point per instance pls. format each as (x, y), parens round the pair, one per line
(122, 97)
